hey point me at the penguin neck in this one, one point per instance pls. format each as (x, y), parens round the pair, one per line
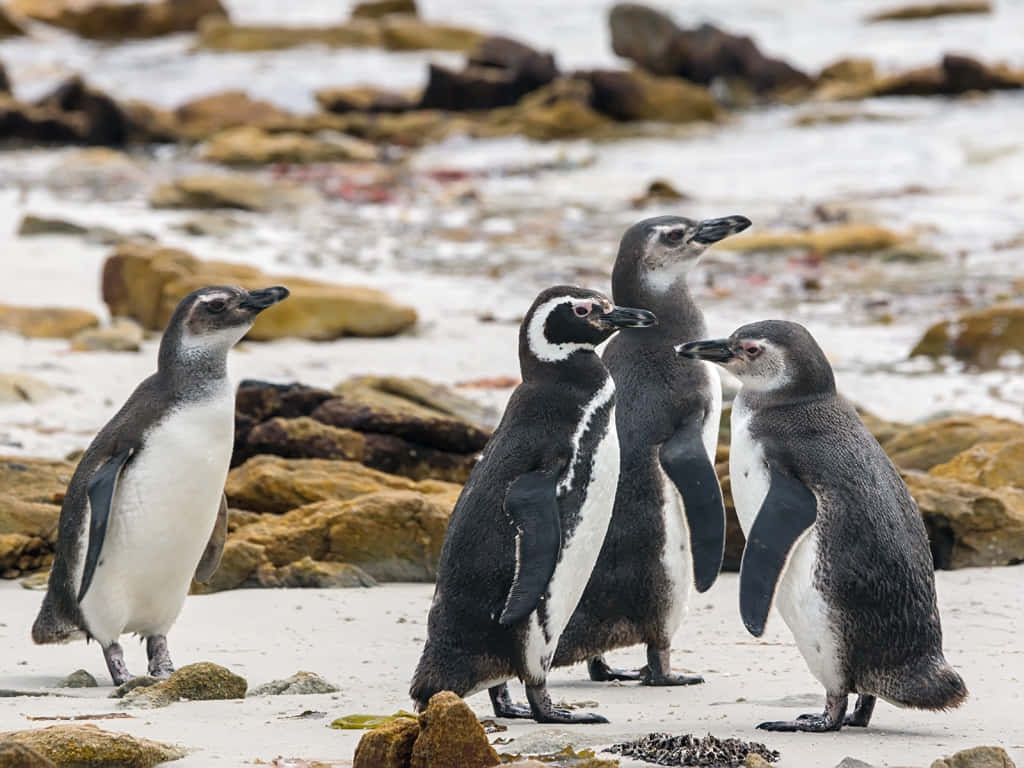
(679, 317)
(192, 371)
(582, 365)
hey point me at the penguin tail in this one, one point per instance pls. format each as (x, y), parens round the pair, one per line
(929, 683)
(51, 627)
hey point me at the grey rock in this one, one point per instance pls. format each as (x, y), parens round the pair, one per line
(142, 681)
(300, 683)
(80, 678)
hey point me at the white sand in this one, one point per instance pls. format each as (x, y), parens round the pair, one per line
(368, 641)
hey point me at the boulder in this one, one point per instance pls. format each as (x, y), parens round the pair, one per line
(924, 446)
(410, 33)
(252, 146)
(969, 525)
(375, 9)
(976, 757)
(86, 746)
(145, 282)
(451, 735)
(217, 112)
(308, 573)
(196, 682)
(418, 391)
(102, 119)
(275, 485)
(122, 335)
(364, 99)
(845, 238)
(261, 400)
(238, 567)
(389, 746)
(931, 10)
(45, 322)
(701, 54)
(990, 465)
(640, 96)
(220, 34)
(111, 20)
(22, 388)
(978, 337)
(229, 191)
(20, 756)
(560, 110)
(299, 684)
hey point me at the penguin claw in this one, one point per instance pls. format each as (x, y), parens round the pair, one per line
(672, 679)
(514, 712)
(807, 723)
(567, 716)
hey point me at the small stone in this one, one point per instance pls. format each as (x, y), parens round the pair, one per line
(122, 335)
(977, 757)
(301, 683)
(852, 762)
(37, 580)
(141, 681)
(22, 388)
(196, 682)
(80, 678)
(754, 760)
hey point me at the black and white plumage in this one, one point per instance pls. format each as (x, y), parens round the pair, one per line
(145, 509)
(529, 523)
(834, 538)
(668, 528)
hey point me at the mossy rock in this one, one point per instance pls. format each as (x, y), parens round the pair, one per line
(196, 682)
(86, 746)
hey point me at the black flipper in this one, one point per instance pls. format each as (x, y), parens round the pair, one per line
(685, 460)
(101, 496)
(210, 560)
(789, 509)
(532, 504)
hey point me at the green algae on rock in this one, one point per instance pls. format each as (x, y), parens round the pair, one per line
(370, 722)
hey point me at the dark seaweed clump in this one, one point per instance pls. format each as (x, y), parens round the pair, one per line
(665, 749)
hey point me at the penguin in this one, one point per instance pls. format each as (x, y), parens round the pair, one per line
(528, 525)
(145, 509)
(834, 538)
(668, 527)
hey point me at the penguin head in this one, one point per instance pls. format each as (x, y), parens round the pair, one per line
(769, 356)
(661, 250)
(211, 320)
(566, 319)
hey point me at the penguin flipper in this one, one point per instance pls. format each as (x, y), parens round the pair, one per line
(685, 460)
(788, 511)
(101, 490)
(532, 504)
(210, 560)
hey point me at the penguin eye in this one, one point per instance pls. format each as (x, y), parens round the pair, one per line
(216, 306)
(674, 235)
(581, 310)
(752, 350)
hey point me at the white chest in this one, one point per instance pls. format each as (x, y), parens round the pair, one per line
(748, 471)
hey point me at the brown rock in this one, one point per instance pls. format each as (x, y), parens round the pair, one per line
(410, 33)
(38, 125)
(640, 96)
(848, 70)
(263, 400)
(45, 322)
(308, 573)
(990, 465)
(560, 110)
(248, 145)
(122, 335)
(419, 391)
(926, 445)
(953, 76)
(389, 746)
(229, 191)
(8, 28)
(845, 238)
(374, 9)
(451, 735)
(21, 756)
(103, 20)
(658, 191)
(363, 99)
(238, 566)
(976, 757)
(305, 438)
(932, 10)
(196, 682)
(86, 746)
(21, 388)
(980, 337)
(220, 34)
(229, 109)
(103, 120)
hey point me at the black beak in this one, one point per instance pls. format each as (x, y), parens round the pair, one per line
(626, 317)
(257, 301)
(717, 351)
(712, 230)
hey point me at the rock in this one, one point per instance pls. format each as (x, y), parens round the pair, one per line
(20, 756)
(139, 681)
(45, 322)
(953, 76)
(122, 335)
(700, 55)
(303, 438)
(219, 34)
(5, 83)
(410, 33)
(640, 96)
(505, 53)
(110, 20)
(374, 9)
(86, 746)
(252, 146)
(979, 337)
(22, 388)
(451, 735)
(848, 70)
(301, 683)
(931, 10)
(238, 566)
(32, 225)
(990, 465)
(968, 525)
(389, 746)
(408, 129)
(270, 484)
(229, 191)
(852, 762)
(754, 760)
(102, 119)
(924, 446)
(560, 110)
(308, 573)
(658, 191)
(217, 112)
(80, 678)
(8, 28)
(977, 757)
(363, 99)
(473, 88)
(261, 400)
(196, 682)
(37, 581)
(846, 238)
(35, 125)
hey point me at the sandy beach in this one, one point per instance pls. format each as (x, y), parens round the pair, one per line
(367, 642)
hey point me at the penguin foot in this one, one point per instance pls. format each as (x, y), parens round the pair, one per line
(160, 664)
(114, 657)
(503, 706)
(543, 712)
(830, 720)
(862, 712)
(672, 679)
(659, 672)
(600, 672)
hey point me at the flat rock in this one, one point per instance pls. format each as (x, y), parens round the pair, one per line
(22, 388)
(196, 682)
(238, 191)
(931, 10)
(301, 683)
(217, 112)
(991, 465)
(122, 335)
(86, 746)
(45, 322)
(364, 99)
(220, 34)
(374, 9)
(248, 145)
(979, 337)
(451, 735)
(923, 446)
(846, 238)
(410, 33)
(308, 573)
(976, 757)
(641, 96)
(108, 20)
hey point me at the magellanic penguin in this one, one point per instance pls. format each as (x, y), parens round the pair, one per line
(529, 523)
(145, 509)
(668, 528)
(833, 535)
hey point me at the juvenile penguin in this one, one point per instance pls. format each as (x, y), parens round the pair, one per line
(833, 535)
(527, 528)
(668, 528)
(145, 509)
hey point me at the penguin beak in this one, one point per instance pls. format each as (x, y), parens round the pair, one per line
(717, 351)
(712, 230)
(257, 301)
(626, 317)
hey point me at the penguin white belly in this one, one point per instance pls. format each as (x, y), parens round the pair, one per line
(797, 599)
(162, 515)
(579, 554)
